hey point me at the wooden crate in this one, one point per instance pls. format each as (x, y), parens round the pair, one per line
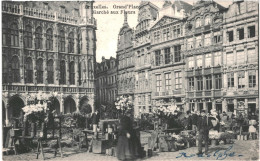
(100, 146)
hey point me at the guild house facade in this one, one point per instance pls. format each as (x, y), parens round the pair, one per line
(48, 48)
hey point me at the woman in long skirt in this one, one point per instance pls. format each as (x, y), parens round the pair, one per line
(128, 145)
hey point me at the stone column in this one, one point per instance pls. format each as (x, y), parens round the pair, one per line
(45, 78)
(235, 80)
(77, 104)
(196, 105)
(67, 72)
(235, 105)
(214, 104)
(246, 80)
(62, 105)
(246, 103)
(76, 73)
(6, 114)
(257, 103)
(205, 106)
(224, 105)
(34, 70)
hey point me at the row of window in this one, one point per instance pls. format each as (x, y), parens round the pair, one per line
(125, 62)
(109, 80)
(11, 37)
(242, 80)
(167, 34)
(168, 82)
(29, 71)
(107, 95)
(241, 33)
(141, 99)
(168, 57)
(205, 40)
(199, 81)
(197, 61)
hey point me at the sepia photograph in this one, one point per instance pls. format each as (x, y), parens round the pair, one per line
(169, 80)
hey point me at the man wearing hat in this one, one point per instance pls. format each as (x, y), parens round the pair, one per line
(204, 125)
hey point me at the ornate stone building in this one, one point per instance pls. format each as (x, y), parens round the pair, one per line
(47, 47)
(240, 57)
(167, 40)
(203, 50)
(147, 15)
(125, 58)
(106, 81)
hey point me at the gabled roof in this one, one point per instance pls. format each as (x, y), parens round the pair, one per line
(164, 20)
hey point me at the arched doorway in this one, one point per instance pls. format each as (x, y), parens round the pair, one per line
(56, 105)
(84, 106)
(3, 113)
(15, 107)
(69, 105)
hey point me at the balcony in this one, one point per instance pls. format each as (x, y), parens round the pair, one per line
(190, 94)
(199, 94)
(33, 88)
(208, 93)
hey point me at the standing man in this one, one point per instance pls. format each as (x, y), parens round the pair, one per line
(95, 120)
(189, 121)
(204, 125)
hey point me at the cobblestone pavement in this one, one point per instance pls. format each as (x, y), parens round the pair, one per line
(240, 150)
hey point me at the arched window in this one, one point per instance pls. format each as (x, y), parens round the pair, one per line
(49, 39)
(14, 35)
(62, 72)
(72, 73)
(5, 69)
(198, 22)
(38, 38)
(29, 70)
(207, 20)
(39, 68)
(50, 72)
(28, 37)
(71, 43)
(90, 69)
(62, 41)
(15, 69)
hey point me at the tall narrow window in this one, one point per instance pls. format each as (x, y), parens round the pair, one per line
(198, 42)
(14, 35)
(29, 71)
(251, 31)
(252, 78)
(38, 38)
(198, 22)
(168, 33)
(217, 59)
(208, 82)
(28, 37)
(191, 84)
(199, 61)
(230, 59)
(240, 33)
(191, 62)
(164, 35)
(199, 83)
(241, 59)
(71, 43)
(157, 57)
(39, 68)
(207, 40)
(168, 81)
(167, 55)
(4, 36)
(62, 72)
(5, 69)
(218, 82)
(190, 43)
(49, 39)
(207, 20)
(230, 36)
(178, 80)
(158, 83)
(72, 73)
(62, 41)
(177, 53)
(230, 80)
(241, 79)
(252, 56)
(50, 72)
(15, 70)
(208, 60)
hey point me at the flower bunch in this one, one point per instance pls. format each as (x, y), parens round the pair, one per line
(124, 104)
(163, 110)
(214, 134)
(35, 113)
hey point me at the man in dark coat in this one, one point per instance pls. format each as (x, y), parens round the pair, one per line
(189, 121)
(95, 120)
(204, 125)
